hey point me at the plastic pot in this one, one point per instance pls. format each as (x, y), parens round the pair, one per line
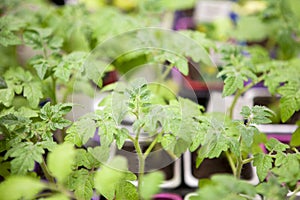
(158, 159)
(210, 167)
(167, 196)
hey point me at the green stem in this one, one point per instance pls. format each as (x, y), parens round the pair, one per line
(239, 162)
(239, 93)
(54, 89)
(248, 160)
(239, 169)
(166, 72)
(293, 197)
(231, 162)
(236, 97)
(296, 150)
(141, 165)
(153, 143)
(47, 172)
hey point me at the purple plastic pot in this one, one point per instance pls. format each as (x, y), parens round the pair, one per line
(166, 196)
(184, 23)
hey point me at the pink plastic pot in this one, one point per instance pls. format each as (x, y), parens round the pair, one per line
(167, 196)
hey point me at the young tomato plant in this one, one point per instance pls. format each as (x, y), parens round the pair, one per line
(240, 139)
(44, 155)
(171, 125)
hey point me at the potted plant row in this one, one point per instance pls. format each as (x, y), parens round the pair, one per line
(46, 156)
(272, 172)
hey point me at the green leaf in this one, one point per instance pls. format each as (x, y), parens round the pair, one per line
(33, 93)
(82, 182)
(70, 64)
(275, 145)
(3, 84)
(121, 135)
(20, 187)
(272, 189)
(290, 100)
(168, 141)
(219, 137)
(257, 114)
(280, 158)
(126, 190)
(109, 178)
(81, 131)
(6, 96)
(287, 169)
(237, 69)
(100, 153)
(226, 187)
(25, 155)
(263, 163)
(27, 112)
(8, 38)
(63, 72)
(8, 26)
(60, 161)
(55, 43)
(295, 140)
(180, 147)
(40, 65)
(150, 184)
(178, 61)
(32, 38)
(49, 145)
(9, 119)
(86, 159)
(54, 115)
(232, 83)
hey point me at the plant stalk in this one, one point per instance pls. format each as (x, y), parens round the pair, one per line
(54, 89)
(141, 165)
(231, 162)
(248, 160)
(239, 93)
(152, 145)
(239, 169)
(46, 172)
(293, 197)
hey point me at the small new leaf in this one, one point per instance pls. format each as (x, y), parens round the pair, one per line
(257, 114)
